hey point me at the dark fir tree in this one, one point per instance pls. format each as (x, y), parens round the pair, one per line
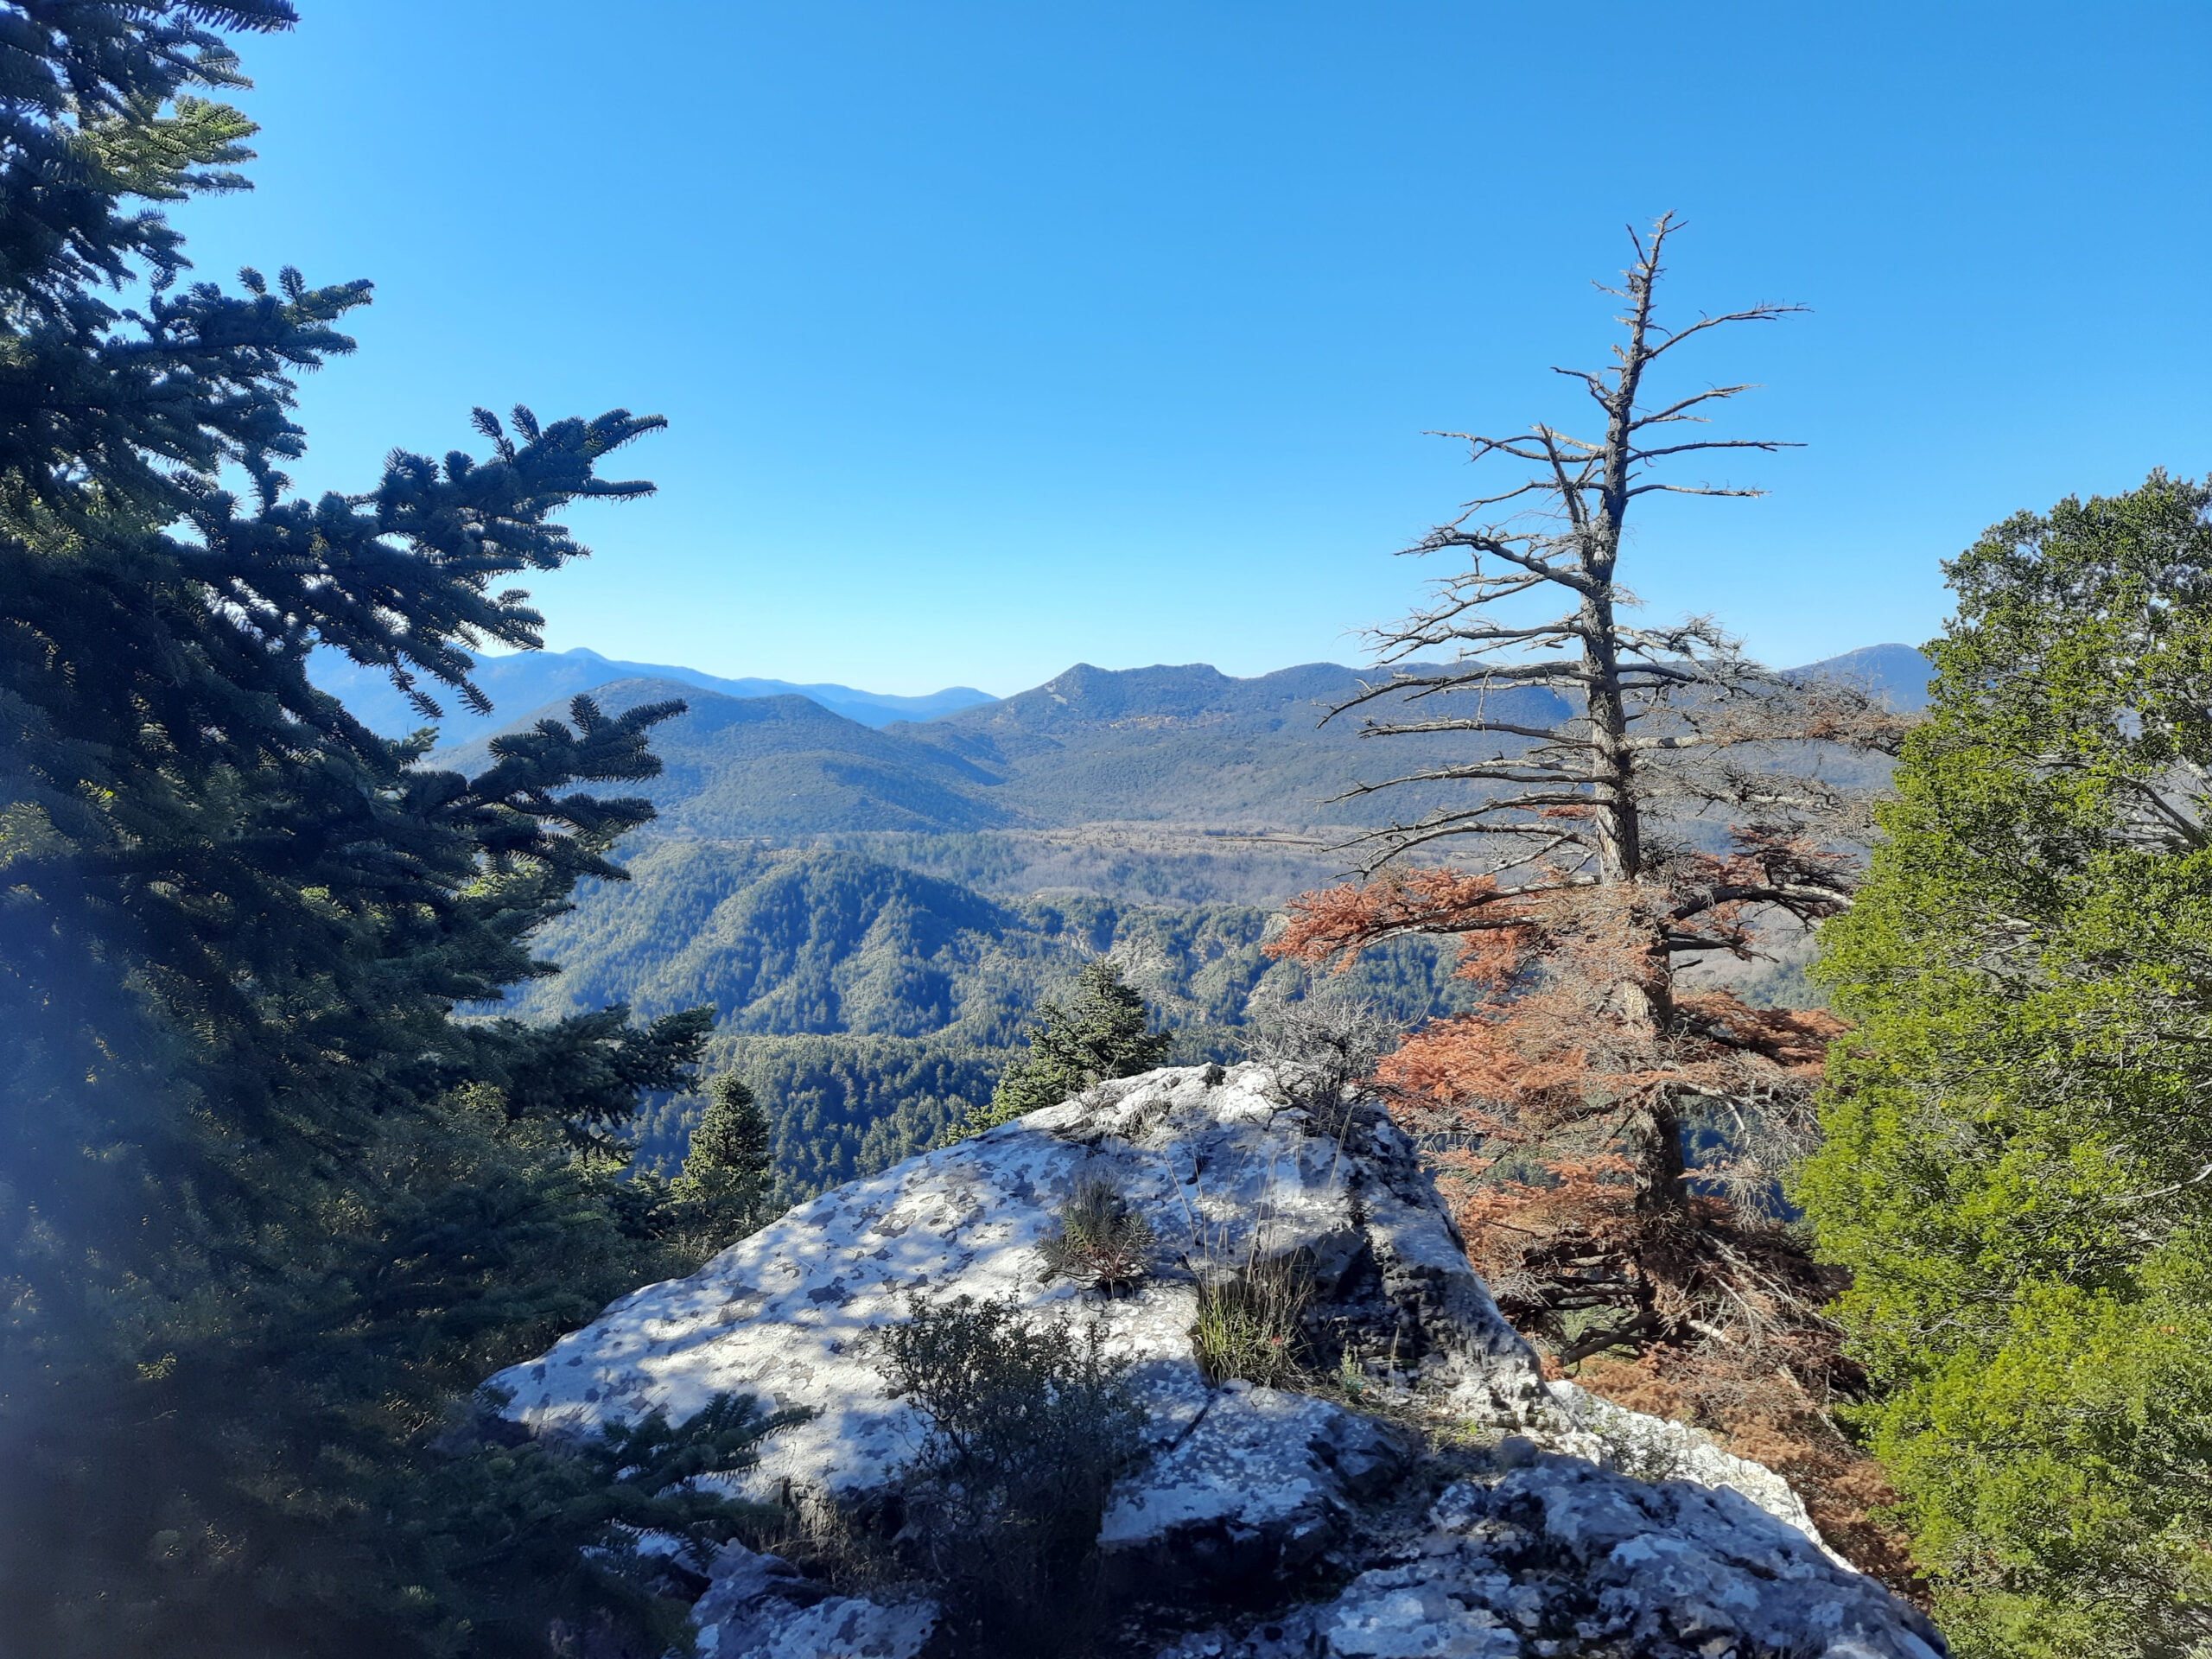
(267, 1208)
(730, 1168)
(1104, 1033)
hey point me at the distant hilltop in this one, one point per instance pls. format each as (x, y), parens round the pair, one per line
(528, 678)
(1898, 672)
(1183, 746)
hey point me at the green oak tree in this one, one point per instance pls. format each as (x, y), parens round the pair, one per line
(2017, 1167)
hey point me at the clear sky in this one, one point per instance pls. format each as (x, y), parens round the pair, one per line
(999, 337)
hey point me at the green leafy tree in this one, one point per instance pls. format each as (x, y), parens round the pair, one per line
(2016, 1155)
(1104, 1033)
(730, 1169)
(267, 1206)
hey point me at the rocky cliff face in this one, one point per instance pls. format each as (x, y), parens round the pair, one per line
(1432, 1497)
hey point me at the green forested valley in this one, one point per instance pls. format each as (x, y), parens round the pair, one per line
(870, 1003)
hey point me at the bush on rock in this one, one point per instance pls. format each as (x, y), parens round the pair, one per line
(1030, 1423)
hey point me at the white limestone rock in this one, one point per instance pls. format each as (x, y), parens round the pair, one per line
(1264, 1482)
(1561, 1557)
(759, 1607)
(1244, 1486)
(1223, 1163)
(1655, 1448)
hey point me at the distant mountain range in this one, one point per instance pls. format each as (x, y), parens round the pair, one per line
(1187, 746)
(874, 909)
(528, 678)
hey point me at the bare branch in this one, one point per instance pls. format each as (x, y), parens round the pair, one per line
(1672, 338)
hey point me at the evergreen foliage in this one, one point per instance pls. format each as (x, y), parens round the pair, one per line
(1103, 1033)
(2015, 1167)
(499, 1519)
(267, 1206)
(1030, 1422)
(840, 1107)
(729, 1170)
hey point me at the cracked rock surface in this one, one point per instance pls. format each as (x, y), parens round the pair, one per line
(1560, 1557)
(1250, 1496)
(1222, 1168)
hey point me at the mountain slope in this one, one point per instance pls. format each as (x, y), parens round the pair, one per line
(869, 1005)
(1898, 672)
(526, 679)
(1189, 745)
(828, 942)
(782, 766)
(1186, 749)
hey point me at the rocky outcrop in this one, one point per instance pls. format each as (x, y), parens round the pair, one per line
(1262, 1485)
(757, 1607)
(1227, 1164)
(1252, 1495)
(1559, 1556)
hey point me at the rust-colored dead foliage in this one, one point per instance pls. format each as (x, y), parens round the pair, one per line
(1554, 1114)
(1558, 1110)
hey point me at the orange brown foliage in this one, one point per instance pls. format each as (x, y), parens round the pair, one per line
(1553, 1113)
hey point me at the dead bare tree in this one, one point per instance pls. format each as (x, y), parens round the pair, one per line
(1602, 753)
(1657, 715)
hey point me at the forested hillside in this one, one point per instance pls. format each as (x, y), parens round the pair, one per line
(870, 1004)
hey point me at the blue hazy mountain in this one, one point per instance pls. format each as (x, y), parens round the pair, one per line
(1898, 672)
(1186, 746)
(527, 680)
(781, 767)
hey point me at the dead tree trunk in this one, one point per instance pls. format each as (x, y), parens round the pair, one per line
(1670, 719)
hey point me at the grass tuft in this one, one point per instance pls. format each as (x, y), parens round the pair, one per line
(1251, 1322)
(1099, 1241)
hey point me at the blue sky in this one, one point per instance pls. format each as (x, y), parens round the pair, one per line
(998, 337)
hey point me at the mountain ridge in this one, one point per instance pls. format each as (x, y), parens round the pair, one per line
(533, 678)
(1171, 746)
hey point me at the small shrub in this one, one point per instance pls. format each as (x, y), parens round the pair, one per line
(1351, 1375)
(1334, 1041)
(1030, 1423)
(1100, 1241)
(1251, 1322)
